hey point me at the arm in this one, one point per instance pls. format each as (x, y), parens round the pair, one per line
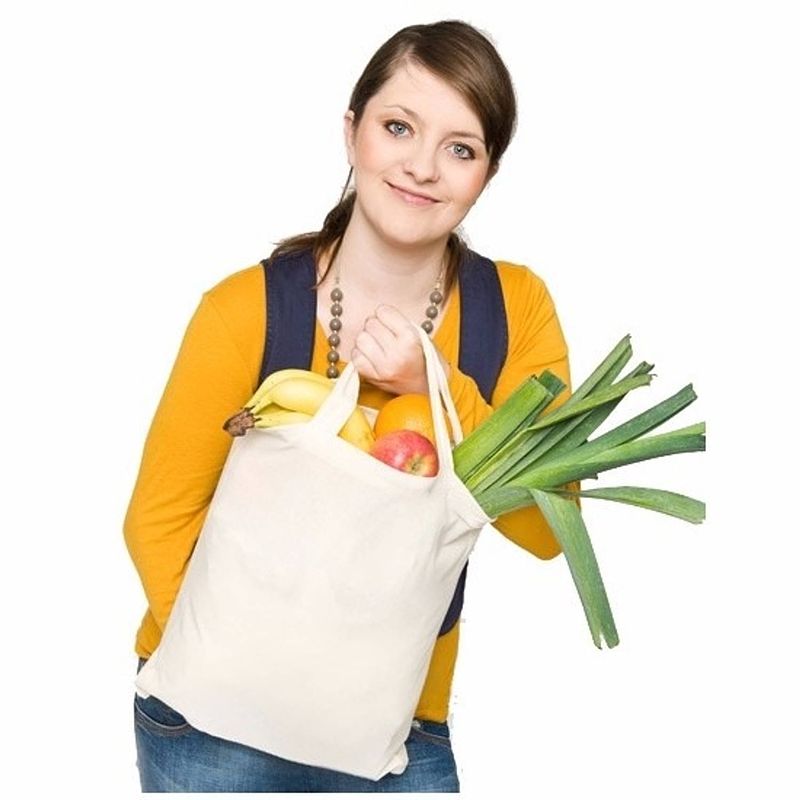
(183, 456)
(536, 344)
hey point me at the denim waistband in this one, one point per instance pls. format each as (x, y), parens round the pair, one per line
(431, 726)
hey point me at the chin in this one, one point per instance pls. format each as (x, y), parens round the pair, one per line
(398, 228)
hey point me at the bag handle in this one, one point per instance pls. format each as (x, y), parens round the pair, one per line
(343, 399)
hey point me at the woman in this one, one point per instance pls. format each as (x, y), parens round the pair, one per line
(427, 124)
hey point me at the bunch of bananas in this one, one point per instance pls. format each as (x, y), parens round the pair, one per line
(294, 395)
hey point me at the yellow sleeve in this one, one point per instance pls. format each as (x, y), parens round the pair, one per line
(536, 343)
(183, 455)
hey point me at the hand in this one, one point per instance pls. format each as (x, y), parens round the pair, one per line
(388, 353)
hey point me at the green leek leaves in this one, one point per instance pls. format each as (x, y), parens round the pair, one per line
(523, 455)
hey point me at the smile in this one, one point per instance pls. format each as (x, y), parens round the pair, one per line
(412, 199)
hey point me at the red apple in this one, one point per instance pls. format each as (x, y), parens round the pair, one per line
(408, 451)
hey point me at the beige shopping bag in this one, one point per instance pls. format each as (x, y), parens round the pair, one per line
(306, 620)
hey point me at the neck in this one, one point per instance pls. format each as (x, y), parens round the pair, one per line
(382, 272)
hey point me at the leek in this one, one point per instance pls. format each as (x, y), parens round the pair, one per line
(524, 454)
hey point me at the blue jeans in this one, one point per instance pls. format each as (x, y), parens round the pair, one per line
(172, 756)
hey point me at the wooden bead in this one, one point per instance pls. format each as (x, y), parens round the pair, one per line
(335, 323)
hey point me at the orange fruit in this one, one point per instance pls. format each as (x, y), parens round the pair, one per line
(408, 412)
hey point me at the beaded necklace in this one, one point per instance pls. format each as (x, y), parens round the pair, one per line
(431, 312)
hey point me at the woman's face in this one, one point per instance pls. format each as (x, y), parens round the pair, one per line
(437, 150)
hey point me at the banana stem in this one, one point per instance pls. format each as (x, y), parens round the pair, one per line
(239, 423)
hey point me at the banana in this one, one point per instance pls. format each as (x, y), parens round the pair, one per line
(270, 415)
(260, 402)
(281, 416)
(256, 402)
(300, 394)
(306, 396)
(293, 395)
(357, 431)
(266, 408)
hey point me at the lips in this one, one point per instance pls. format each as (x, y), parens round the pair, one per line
(412, 194)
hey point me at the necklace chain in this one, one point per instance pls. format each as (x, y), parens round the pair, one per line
(335, 324)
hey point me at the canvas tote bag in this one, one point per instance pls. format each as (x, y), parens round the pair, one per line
(309, 610)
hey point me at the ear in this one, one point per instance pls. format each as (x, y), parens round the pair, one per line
(349, 135)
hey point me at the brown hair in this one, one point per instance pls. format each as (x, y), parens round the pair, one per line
(465, 58)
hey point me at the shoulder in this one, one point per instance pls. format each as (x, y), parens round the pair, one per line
(519, 284)
(516, 277)
(237, 288)
(532, 317)
(239, 301)
(524, 290)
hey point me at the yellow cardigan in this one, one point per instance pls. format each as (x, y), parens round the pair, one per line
(216, 371)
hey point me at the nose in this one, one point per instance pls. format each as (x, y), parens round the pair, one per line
(421, 164)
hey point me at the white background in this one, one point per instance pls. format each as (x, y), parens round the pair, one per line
(151, 149)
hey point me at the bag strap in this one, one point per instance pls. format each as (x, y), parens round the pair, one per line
(342, 401)
(292, 317)
(291, 312)
(483, 335)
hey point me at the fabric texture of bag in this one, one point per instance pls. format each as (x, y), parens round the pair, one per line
(310, 607)
(291, 308)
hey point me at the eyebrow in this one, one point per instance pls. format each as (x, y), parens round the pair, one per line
(414, 114)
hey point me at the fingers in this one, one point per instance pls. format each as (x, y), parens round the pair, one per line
(368, 355)
(387, 351)
(394, 319)
(374, 335)
(363, 365)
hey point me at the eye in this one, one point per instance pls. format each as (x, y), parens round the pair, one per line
(393, 122)
(469, 152)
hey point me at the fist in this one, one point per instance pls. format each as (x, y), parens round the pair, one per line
(389, 354)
